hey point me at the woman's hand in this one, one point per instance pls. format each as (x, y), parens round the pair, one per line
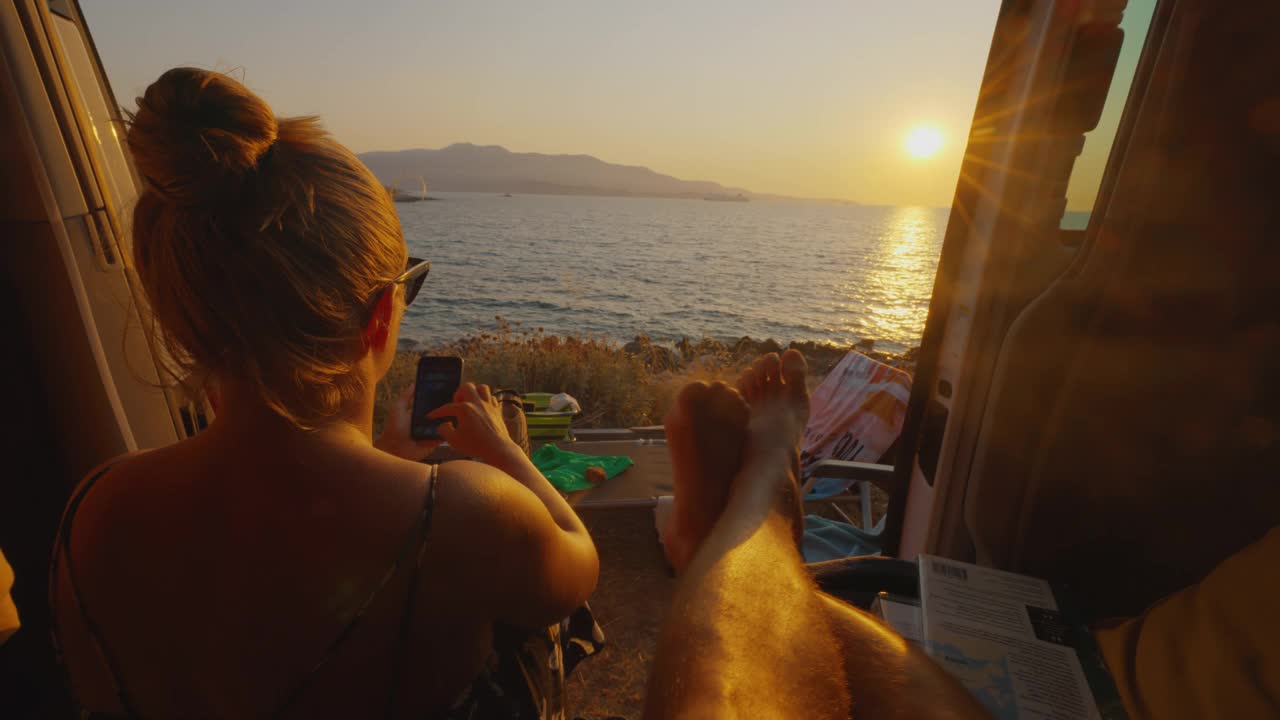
(476, 427)
(395, 438)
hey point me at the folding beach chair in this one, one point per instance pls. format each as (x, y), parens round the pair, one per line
(856, 415)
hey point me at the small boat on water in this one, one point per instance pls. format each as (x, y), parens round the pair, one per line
(398, 195)
(727, 198)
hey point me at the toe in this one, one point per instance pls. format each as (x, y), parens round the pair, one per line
(692, 395)
(771, 370)
(728, 405)
(718, 392)
(794, 372)
(761, 375)
(685, 406)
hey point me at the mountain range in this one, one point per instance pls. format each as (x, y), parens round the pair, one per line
(464, 167)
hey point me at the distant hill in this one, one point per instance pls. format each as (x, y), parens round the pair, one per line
(464, 167)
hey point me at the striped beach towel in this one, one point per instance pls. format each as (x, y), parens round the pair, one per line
(855, 414)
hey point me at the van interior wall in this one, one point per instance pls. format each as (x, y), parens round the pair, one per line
(58, 420)
(33, 488)
(1132, 440)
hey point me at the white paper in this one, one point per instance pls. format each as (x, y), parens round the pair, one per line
(1000, 634)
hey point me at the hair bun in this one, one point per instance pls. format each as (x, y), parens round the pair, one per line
(196, 133)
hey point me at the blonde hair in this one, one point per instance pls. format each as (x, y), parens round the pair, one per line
(260, 243)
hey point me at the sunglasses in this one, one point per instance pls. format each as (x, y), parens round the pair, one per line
(414, 275)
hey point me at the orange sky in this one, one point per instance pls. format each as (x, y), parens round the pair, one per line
(809, 99)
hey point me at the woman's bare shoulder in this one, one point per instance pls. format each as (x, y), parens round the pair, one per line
(485, 507)
(469, 487)
(126, 464)
(141, 461)
(115, 464)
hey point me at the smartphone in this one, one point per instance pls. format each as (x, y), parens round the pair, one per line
(437, 381)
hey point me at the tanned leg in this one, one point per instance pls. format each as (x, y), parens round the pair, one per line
(748, 634)
(889, 677)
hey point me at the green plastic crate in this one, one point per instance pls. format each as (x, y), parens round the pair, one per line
(544, 425)
(537, 400)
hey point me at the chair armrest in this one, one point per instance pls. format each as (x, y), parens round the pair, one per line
(879, 475)
(598, 435)
(649, 432)
(652, 433)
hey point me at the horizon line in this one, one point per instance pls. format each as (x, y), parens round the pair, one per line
(761, 195)
(754, 193)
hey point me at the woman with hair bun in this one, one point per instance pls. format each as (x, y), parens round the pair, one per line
(283, 563)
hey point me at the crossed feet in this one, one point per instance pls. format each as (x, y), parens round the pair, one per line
(742, 441)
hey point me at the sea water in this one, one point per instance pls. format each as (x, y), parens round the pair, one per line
(616, 267)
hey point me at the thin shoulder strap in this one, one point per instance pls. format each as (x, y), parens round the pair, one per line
(401, 659)
(414, 541)
(62, 548)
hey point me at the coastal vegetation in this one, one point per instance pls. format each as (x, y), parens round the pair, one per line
(617, 384)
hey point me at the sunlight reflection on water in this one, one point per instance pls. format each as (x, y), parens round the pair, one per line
(618, 267)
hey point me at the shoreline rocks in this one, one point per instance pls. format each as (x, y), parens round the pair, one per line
(659, 357)
(821, 356)
(656, 358)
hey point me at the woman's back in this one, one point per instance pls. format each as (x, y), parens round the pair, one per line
(219, 576)
(283, 559)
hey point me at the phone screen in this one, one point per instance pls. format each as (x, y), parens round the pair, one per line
(437, 381)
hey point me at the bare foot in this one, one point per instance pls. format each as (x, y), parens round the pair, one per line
(779, 398)
(713, 435)
(706, 433)
(775, 389)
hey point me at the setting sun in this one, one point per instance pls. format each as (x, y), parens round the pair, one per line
(924, 141)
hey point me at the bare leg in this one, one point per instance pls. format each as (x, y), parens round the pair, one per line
(748, 634)
(890, 677)
(706, 431)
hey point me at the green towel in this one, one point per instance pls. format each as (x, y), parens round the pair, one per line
(567, 471)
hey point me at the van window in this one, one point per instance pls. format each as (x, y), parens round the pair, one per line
(1091, 165)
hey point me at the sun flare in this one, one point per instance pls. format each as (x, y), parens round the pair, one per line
(923, 141)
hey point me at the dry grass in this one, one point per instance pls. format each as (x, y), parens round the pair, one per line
(617, 385)
(615, 388)
(612, 386)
